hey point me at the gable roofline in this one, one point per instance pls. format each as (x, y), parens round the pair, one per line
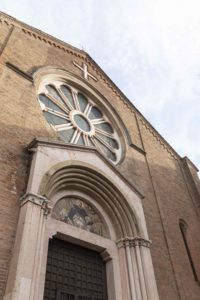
(134, 109)
(81, 53)
(17, 23)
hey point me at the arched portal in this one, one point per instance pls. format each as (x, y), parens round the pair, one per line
(84, 179)
(60, 176)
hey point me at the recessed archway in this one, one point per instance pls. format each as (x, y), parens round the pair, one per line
(80, 178)
(59, 170)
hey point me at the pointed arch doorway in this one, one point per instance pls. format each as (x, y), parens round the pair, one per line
(74, 273)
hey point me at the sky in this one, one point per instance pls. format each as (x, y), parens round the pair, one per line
(149, 48)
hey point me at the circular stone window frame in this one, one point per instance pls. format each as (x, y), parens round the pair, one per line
(53, 76)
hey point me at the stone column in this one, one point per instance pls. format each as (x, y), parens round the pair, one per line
(150, 281)
(110, 256)
(25, 262)
(141, 278)
(124, 272)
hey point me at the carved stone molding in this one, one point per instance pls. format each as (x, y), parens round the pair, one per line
(105, 255)
(38, 200)
(133, 242)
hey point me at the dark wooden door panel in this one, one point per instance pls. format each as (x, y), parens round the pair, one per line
(65, 296)
(74, 273)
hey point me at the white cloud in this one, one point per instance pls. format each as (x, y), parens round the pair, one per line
(150, 49)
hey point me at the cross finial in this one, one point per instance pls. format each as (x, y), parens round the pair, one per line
(84, 69)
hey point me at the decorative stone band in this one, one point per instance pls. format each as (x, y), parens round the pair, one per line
(133, 242)
(38, 200)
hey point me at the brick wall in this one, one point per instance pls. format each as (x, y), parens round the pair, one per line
(149, 164)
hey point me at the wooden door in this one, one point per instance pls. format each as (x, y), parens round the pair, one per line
(74, 273)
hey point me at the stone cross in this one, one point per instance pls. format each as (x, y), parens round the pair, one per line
(84, 69)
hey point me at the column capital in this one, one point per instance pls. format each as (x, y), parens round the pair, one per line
(138, 241)
(133, 242)
(36, 199)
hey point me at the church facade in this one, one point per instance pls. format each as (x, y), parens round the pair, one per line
(94, 203)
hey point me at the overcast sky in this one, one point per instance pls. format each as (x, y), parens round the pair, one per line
(149, 48)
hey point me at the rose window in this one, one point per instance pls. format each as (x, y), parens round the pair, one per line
(78, 120)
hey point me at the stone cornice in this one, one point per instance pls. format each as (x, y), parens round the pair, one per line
(48, 39)
(36, 199)
(133, 242)
(32, 147)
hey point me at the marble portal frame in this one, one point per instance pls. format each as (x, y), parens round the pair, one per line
(129, 268)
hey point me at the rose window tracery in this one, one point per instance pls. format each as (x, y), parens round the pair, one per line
(78, 120)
